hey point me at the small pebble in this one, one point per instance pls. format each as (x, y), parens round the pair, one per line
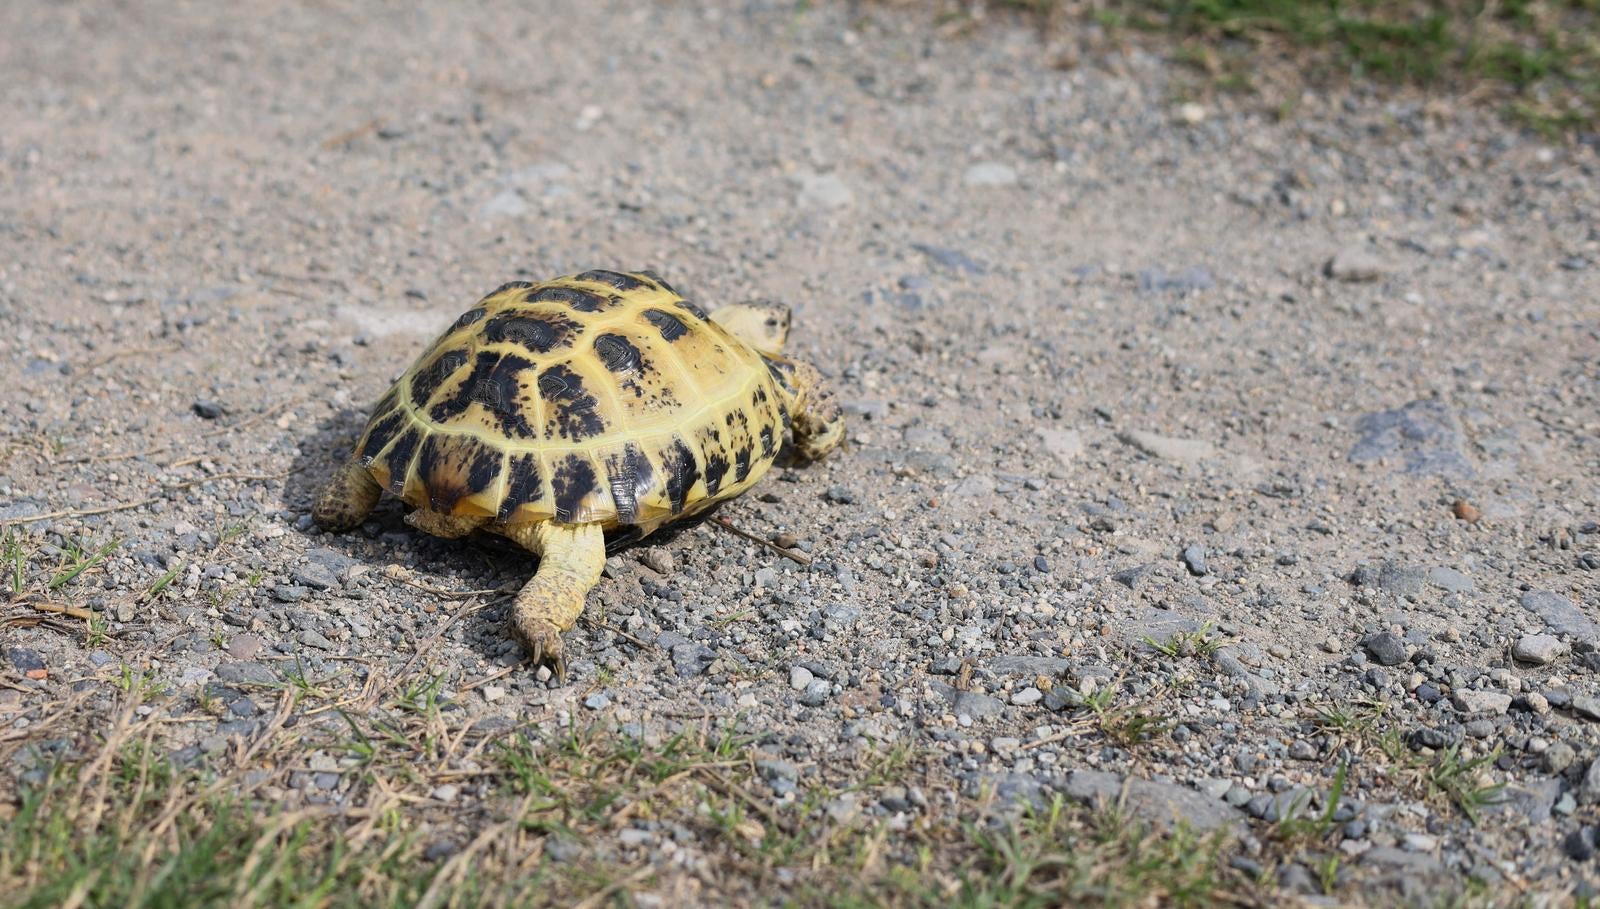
(659, 560)
(1027, 697)
(1538, 649)
(1386, 648)
(799, 678)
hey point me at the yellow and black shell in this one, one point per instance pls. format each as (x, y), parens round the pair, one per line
(600, 397)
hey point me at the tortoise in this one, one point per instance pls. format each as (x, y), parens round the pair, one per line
(551, 413)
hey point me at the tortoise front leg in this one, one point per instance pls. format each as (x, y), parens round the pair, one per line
(348, 498)
(571, 557)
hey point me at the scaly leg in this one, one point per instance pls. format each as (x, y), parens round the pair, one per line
(570, 559)
(816, 420)
(349, 497)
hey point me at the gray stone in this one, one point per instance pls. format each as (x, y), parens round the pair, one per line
(1194, 556)
(1451, 580)
(1534, 799)
(1183, 281)
(331, 559)
(1557, 758)
(1586, 706)
(597, 701)
(990, 173)
(1161, 804)
(659, 560)
(1027, 697)
(1400, 580)
(1131, 577)
(313, 638)
(1065, 444)
(975, 705)
(507, 203)
(975, 486)
(1386, 648)
(1274, 807)
(246, 673)
(1424, 435)
(691, 659)
(563, 849)
(1539, 649)
(1589, 788)
(1580, 844)
(824, 191)
(1167, 448)
(25, 659)
(24, 508)
(1471, 700)
(816, 693)
(799, 678)
(952, 259)
(1559, 615)
(1062, 697)
(289, 593)
(315, 575)
(244, 646)
(772, 769)
(1356, 264)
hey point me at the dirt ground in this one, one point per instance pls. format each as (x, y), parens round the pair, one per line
(1278, 435)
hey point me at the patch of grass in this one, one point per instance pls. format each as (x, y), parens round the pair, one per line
(1199, 642)
(118, 815)
(1122, 725)
(1446, 774)
(1354, 725)
(76, 560)
(162, 583)
(1292, 827)
(1461, 781)
(1059, 857)
(16, 558)
(1539, 60)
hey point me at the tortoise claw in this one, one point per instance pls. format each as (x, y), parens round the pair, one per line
(543, 646)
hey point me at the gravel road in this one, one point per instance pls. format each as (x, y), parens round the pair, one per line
(1286, 432)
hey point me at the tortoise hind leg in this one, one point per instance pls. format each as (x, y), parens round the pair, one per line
(570, 559)
(817, 420)
(348, 498)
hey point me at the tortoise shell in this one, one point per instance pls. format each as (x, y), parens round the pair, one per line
(600, 397)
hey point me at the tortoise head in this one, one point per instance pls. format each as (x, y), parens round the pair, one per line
(762, 324)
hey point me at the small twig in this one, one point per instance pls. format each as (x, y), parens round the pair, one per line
(1052, 739)
(130, 352)
(790, 554)
(622, 634)
(76, 612)
(348, 136)
(425, 647)
(488, 678)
